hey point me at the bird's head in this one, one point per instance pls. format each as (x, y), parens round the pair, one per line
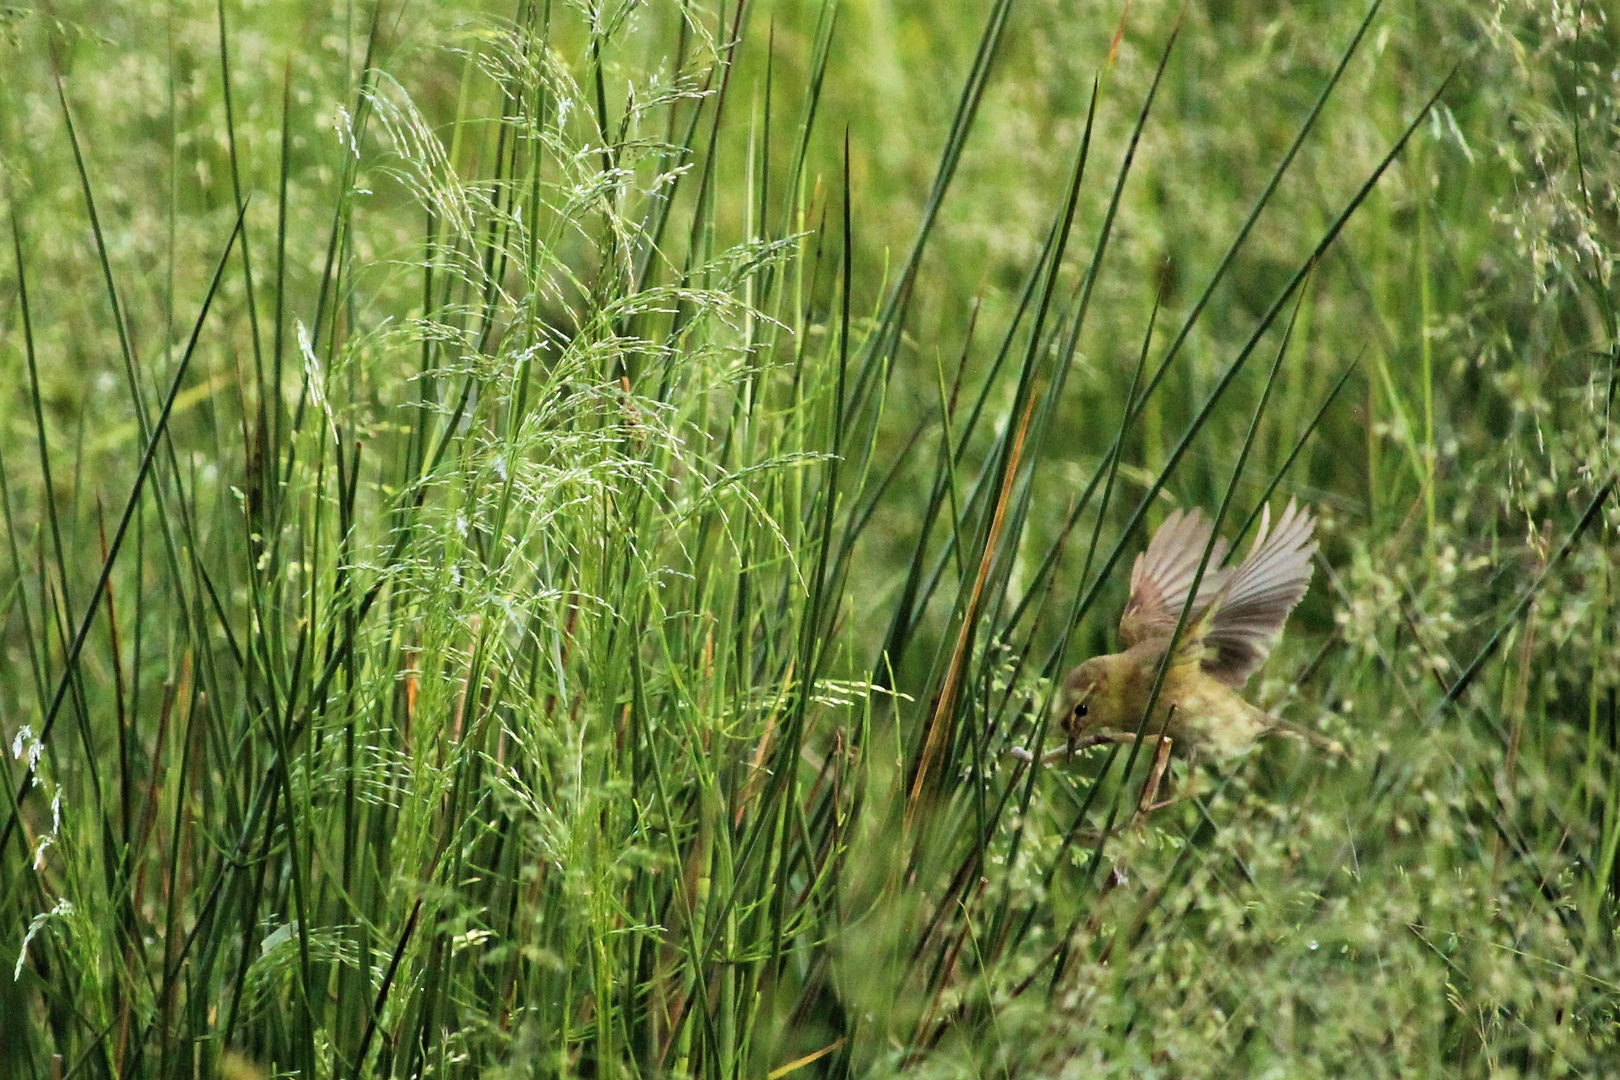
(1092, 698)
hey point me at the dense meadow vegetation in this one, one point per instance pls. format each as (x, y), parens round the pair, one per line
(531, 530)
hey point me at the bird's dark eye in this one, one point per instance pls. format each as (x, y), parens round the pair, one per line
(1080, 711)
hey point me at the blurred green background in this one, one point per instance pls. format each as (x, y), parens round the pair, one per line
(551, 594)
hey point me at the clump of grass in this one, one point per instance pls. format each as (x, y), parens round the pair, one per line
(531, 538)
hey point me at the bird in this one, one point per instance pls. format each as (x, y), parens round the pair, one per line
(1234, 622)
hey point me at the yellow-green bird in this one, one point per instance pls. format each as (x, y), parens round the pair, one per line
(1235, 620)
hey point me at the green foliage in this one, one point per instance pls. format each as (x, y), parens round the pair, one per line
(531, 533)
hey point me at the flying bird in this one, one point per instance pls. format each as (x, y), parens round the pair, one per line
(1236, 618)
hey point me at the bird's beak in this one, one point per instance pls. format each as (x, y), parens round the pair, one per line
(1067, 749)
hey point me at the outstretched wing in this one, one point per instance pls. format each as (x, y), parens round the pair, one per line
(1164, 573)
(1258, 596)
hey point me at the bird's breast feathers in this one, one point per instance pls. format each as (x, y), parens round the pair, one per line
(1208, 718)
